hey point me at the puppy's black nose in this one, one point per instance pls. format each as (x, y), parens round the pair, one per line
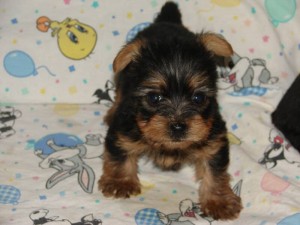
(178, 129)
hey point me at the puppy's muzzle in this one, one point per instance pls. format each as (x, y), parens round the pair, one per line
(177, 130)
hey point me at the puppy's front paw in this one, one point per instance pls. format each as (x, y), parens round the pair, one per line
(119, 188)
(222, 207)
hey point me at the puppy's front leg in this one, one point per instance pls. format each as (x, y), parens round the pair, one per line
(119, 178)
(216, 196)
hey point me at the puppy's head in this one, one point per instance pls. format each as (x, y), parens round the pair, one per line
(171, 87)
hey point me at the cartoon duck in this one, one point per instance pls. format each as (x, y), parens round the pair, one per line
(75, 39)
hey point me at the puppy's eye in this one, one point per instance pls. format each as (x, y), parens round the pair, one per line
(198, 98)
(154, 98)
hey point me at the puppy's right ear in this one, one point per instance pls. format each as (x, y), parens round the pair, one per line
(127, 54)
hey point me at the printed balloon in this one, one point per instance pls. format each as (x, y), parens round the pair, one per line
(273, 184)
(280, 11)
(9, 194)
(19, 64)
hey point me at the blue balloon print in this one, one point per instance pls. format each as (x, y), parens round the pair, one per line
(20, 64)
(290, 220)
(59, 139)
(280, 11)
(133, 31)
(9, 194)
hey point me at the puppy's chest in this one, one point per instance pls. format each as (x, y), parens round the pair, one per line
(167, 159)
(164, 157)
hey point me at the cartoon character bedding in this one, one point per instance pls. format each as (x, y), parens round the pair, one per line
(56, 85)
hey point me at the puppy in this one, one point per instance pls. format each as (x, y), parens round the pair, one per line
(286, 116)
(166, 109)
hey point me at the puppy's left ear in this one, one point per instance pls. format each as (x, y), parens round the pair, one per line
(216, 44)
(127, 54)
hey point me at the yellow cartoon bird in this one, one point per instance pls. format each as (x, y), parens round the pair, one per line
(75, 40)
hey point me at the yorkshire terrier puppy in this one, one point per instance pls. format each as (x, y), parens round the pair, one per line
(166, 109)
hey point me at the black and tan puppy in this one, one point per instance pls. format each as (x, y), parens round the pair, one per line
(166, 109)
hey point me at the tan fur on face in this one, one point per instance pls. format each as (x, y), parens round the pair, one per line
(199, 83)
(156, 132)
(199, 129)
(156, 81)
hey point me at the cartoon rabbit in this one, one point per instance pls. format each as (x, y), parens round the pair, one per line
(68, 161)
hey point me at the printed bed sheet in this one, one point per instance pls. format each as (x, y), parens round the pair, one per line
(56, 85)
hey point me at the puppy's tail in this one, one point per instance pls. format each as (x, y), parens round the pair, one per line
(169, 13)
